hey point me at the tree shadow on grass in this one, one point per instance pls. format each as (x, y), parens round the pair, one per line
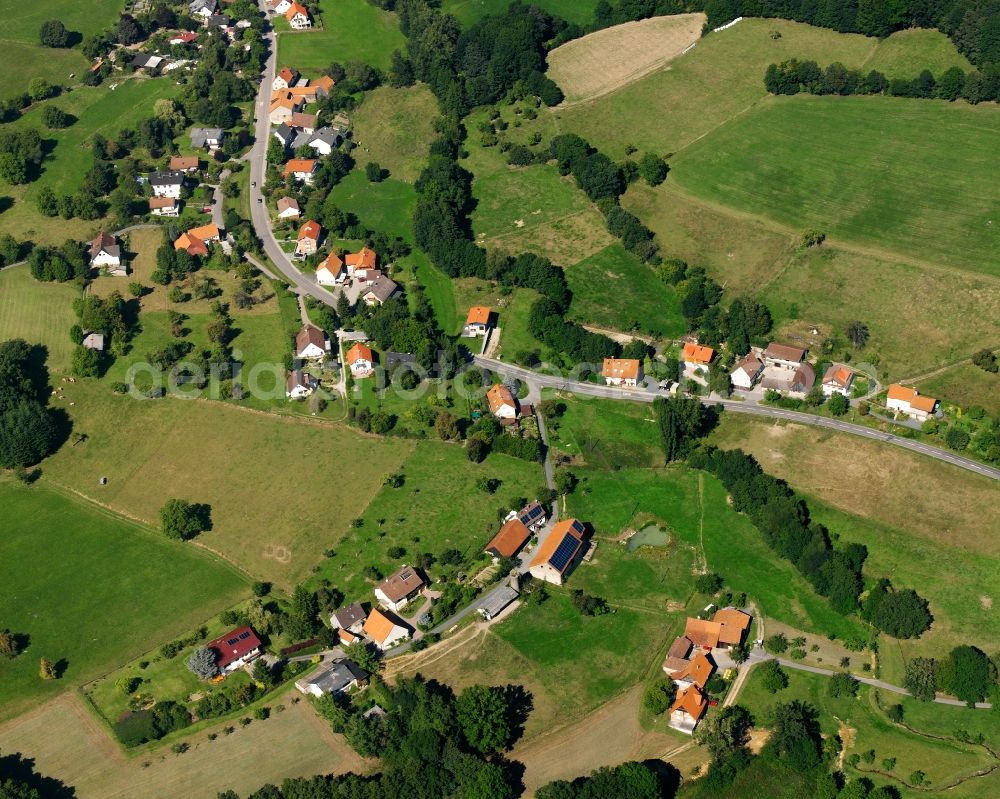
(19, 768)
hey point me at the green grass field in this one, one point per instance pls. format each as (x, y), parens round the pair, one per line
(437, 508)
(395, 127)
(605, 434)
(470, 11)
(965, 385)
(907, 52)
(254, 469)
(863, 726)
(917, 184)
(40, 313)
(352, 30)
(386, 207)
(614, 289)
(104, 591)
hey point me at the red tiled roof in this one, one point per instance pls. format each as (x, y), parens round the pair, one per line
(623, 368)
(310, 230)
(568, 528)
(359, 351)
(234, 645)
(512, 536)
(697, 353)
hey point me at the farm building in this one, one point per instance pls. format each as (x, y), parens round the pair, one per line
(560, 552)
(622, 372)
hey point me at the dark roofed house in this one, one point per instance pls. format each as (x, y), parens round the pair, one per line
(509, 540)
(311, 343)
(351, 618)
(381, 290)
(285, 134)
(783, 355)
(206, 137)
(235, 649)
(167, 184)
(146, 61)
(532, 515)
(339, 677)
(393, 360)
(398, 589)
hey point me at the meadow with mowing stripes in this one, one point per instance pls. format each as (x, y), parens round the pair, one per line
(105, 590)
(40, 313)
(346, 30)
(918, 183)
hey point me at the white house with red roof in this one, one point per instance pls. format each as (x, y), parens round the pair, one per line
(837, 380)
(298, 17)
(559, 553)
(235, 649)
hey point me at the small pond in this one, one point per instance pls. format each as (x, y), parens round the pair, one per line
(648, 536)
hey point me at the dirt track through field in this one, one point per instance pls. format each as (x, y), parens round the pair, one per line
(601, 62)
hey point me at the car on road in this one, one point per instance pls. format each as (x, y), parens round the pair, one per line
(260, 199)
(253, 184)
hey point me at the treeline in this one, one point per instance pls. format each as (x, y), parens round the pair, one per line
(971, 24)
(431, 743)
(794, 76)
(28, 429)
(836, 573)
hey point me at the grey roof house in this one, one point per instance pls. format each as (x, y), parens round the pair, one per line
(336, 678)
(206, 137)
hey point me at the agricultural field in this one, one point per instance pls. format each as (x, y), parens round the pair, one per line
(592, 66)
(245, 464)
(350, 30)
(109, 589)
(68, 743)
(614, 289)
(40, 313)
(395, 127)
(438, 507)
(862, 726)
(917, 186)
(907, 52)
(470, 11)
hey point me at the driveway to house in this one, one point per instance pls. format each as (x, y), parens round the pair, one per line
(541, 380)
(758, 655)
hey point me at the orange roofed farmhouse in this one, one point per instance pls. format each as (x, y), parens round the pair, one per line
(622, 372)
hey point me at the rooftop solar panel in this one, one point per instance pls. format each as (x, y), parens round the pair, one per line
(567, 547)
(232, 641)
(244, 636)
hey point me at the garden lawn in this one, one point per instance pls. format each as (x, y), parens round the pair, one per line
(469, 11)
(914, 181)
(40, 313)
(614, 289)
(515, 337)
(438, 507)
(395, 127)
(351, 30)
(104, 590)
(250, 467)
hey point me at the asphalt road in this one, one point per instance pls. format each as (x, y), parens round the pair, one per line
(736, 406)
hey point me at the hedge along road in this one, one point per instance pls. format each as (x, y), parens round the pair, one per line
(645, 395)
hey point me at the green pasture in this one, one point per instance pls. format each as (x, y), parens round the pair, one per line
(40, 313)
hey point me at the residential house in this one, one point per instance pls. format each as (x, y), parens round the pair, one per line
(307, 122)
(306, 93)
(284, 133)
(324, 85)
(366, 277)
(182, 37)
(696, 671)
(206, 233)
(385, 630)
(747, 371)
(339, 677)
(702, 632)
(503, 404)
(325, 140)
(184, 163)
(282, 108)
(784, 356)
(478, 322)
(622, 372)
(104, 251)
(279, 6)
(689, 706)
(910, 401)
(191, 244)
(798, 381)
(508, 542)
(396, 590)
(202, 8)
(93, 341)
(734, 626)
(300, 384)
(163, 206)
(365, 258)
(394, 360)
(696, 357)
(301, 169)
(346, 637)
(308, 240)
(146, 61)
(496, 601)
(352, 618)
(298, 17)
(531, 515)
(837, 379)
(235, 649)
(167, 184)
(207, 138)
(285, 79)
(288, 208)
(380, 290)
(559, 553)
(677, 655)
(360, 360)
(218, 22)
(330, 271)
(311, 343)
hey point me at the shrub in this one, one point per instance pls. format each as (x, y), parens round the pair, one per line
(707, 583)
(772, 676)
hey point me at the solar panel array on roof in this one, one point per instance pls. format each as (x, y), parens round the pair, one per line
(244, 636)
(531, 514)
(232, 641)
(566, 549)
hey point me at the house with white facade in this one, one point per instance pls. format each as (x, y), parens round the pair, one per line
(385, 630)
(837, 380)
(331, 271)
(503, 404)
(167, 184)
(360, 360)
(747, 372)
(395, 592)
(625, 372)
(909, 401)
(311, 343)
(560, 552)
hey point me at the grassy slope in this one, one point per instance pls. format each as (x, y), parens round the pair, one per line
(438, 507)
(352, 30)
(907, 52)
(395, 127)
(965, 385)
(917, 183)
(249, 466)
(40, 313)
(105, 590)
(606, 434)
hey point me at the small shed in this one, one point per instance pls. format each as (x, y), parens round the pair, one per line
(497, 601)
